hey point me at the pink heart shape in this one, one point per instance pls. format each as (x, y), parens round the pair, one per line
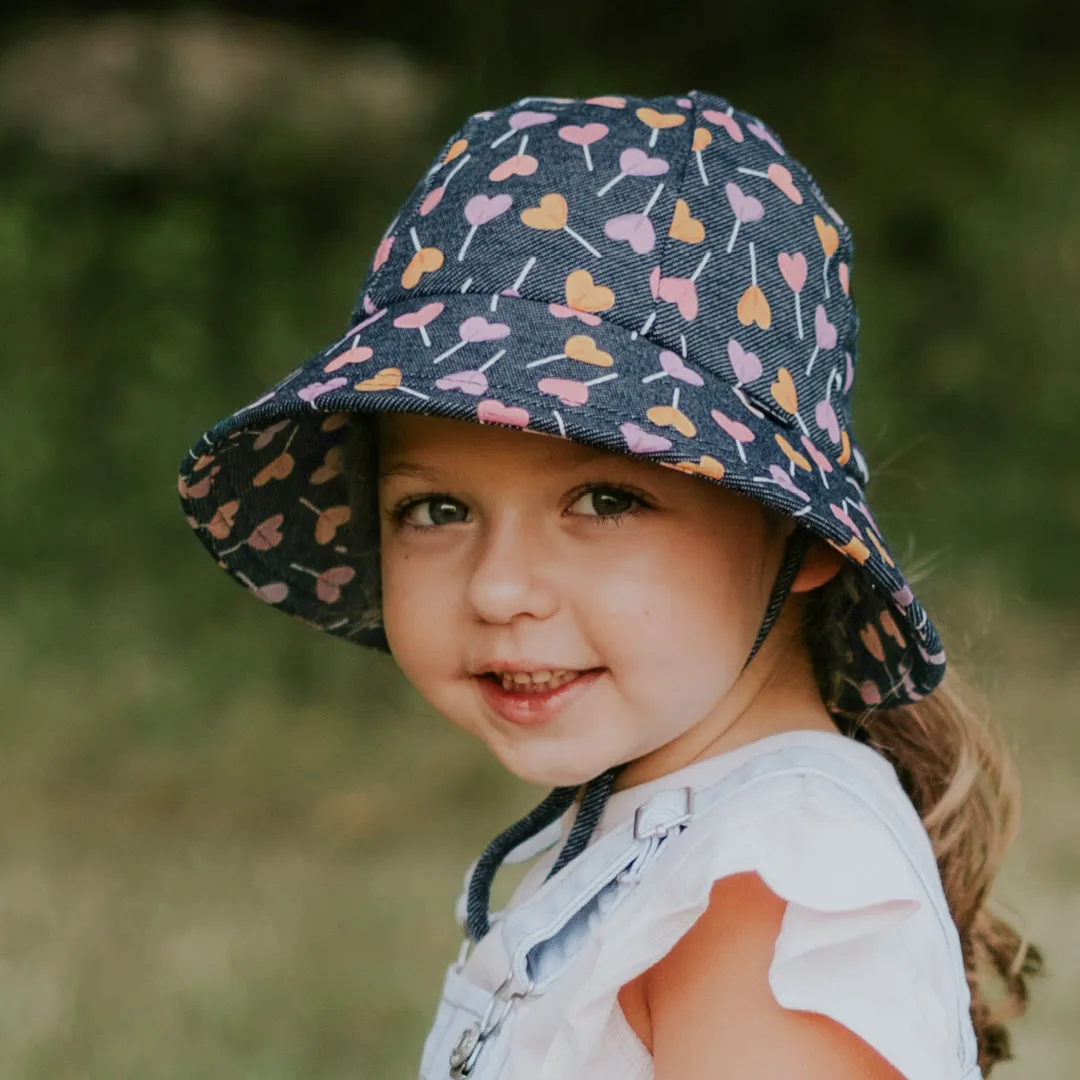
(728, 123)
(350, 356)
(746, 365)
(744, 207)
(432, 199)
(273, 593)
(608, 101)
(783, 480)
(904, 596)
(477, 328)
(561, 311)
(824, 331)
(845, 278)
(266, 436)
(673, 364)
(654, 282)
(382, 252)
(782, 179)
(842, 515)
(583, 135)
(495, 412)
(822, 462)
(739, 432)
(413, 320)
(316, 389)
(636, 229)
(793, 269)
(684, 103)
(568, 391)
(683, 293)
(825, 415)
(468, 382)
(528, 118)
(760, 131)
(481, 209)
(329, 582)
(518, 165)
(267, 534)
(635, 162)
(643, 442)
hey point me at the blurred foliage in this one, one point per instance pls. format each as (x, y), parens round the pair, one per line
(205, 820)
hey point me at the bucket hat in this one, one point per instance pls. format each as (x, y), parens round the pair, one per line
(656, 277)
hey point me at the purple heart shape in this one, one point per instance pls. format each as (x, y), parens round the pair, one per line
(529, 118)
(313, 390)
(785, 481)
(760, 131)
(636, 229)
(673, 364)
(744, 207)
(825, 415)
(477, 328)
(746, 365)
(643, 442)
(481, 209)
(635, 162)
(824, 331)
(468, 382)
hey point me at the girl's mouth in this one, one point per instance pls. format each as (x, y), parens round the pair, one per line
(534, 697)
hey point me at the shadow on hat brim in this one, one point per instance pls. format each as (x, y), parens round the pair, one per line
(266, 493)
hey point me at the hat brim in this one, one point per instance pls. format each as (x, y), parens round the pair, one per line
(260, 485)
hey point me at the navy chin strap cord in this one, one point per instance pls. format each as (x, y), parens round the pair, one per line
(599, 788)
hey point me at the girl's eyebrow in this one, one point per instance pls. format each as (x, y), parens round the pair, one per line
(407, 469)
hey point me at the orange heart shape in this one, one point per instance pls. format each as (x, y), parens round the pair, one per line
(783, 392)
(684, 227)
(582, 347)
(224, 517)
(704, 466)
(549, 215)
(853, 549)
(891, 562)
(827, 234)
(278, 469)
(583, 295)
(845, 449)
(669, 416)
(423, 262)
(329, 522)
(387, 379)
(456, 150)
(792, 454)
(753, 307)
(333, 465)
(658, 119)
(702, 138)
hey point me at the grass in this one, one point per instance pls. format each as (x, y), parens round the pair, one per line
(215, 863)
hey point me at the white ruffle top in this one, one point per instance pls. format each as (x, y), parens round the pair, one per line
(859, 942)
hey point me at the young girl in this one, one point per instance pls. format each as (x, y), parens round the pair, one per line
(773, 826)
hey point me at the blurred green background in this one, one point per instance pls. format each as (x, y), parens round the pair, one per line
(229, 846)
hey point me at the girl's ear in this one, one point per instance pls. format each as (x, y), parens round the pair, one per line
(821, 563)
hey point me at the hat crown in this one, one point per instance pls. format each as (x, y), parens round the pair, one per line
(679, 219)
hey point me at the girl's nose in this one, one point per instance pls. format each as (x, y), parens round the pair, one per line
(510, 578)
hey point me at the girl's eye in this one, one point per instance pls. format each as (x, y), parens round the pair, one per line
(436, 510)
(605, 502)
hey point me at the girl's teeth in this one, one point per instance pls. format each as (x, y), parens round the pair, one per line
(536, 681)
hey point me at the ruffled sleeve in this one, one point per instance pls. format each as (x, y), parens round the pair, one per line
(859, 941)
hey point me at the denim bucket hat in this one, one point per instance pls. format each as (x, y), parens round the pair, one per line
(656, 277)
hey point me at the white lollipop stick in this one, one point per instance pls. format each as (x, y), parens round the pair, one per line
(602, 378)
(424, 335)
(798, 316)
(813, 357)
(701, 266)
(588, 156)
(753, 263)
(559, 422)
(415, 238)
(734, 233)
(524, 142)
(656, 375)
(675, 398)
(653, 137)
(502, 138)
(415, 393)
(468, 240)
(753, 172)
(465, 285)
(682, 345)
(746, 402)
(546, 360)
(825, 275)
(802, 425)
(647, 324)
(652, 199)
(487, 363)
(582, 241)
(701, 168)
(611, 183)
(450, 352)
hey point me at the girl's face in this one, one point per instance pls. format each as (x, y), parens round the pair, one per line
(572, 608)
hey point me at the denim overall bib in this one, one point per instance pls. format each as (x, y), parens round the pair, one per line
(474, 1028)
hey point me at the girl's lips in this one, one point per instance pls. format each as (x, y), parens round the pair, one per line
(530, 707)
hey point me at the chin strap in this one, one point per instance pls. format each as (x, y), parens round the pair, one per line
(599, 788)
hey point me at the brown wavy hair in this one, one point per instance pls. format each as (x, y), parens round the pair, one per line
(955, 766)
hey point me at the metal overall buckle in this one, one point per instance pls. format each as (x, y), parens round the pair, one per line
(467, 1049)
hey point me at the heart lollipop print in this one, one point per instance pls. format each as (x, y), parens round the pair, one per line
(684, 227)
(479, 210)
(382, 252)
(760, 131)
(682, 292)
(658, 121)
(583, 295)
(425, 260)
(580, 347)
(419, 319)
(673, 367)
(704, 466)
(636, 229)
(475, 328)
(745, 365)
(780, 177)
(491, 411)
(724, 120)
(609, 101)
(825, 414)
(356, 355)
(316, 389)
(387, 379)
(702, 139)
(521, 164)
(739, 432)
(434, 197)
(570, 391)
(635, 162)
(328, 583)
(584, 135)
(473, 382)
(327, 521)
(823, 464)
(793, 271)
(672, 416)
(643, 442)
(780, 478)
(745, 208)
(221, 524)
(824, 335)
(830, 241)
(520, 120)
(753, 305)
(550, 216)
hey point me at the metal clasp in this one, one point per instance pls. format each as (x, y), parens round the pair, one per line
(467, 1049)
(663, 827)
